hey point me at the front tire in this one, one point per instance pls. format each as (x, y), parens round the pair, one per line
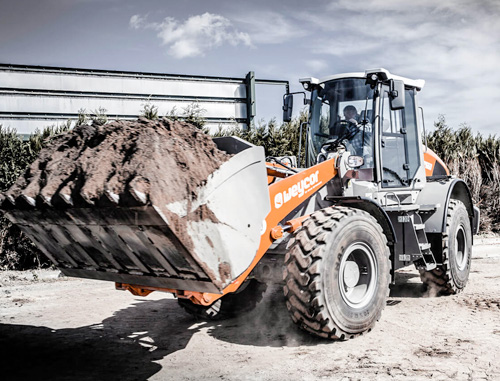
(452, 276)
(337, 273)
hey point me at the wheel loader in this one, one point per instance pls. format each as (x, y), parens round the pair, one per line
(371, 198)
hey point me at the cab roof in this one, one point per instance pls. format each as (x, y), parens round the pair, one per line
(415, 83)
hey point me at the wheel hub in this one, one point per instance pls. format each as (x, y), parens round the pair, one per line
(351, 274)
(358, 275)
(461, 249)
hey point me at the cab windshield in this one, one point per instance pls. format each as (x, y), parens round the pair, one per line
(342, 114)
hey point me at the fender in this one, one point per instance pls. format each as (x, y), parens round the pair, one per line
(439, 193)
(371, 207)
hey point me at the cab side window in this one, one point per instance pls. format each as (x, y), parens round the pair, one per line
(394, 173)
(411, 133)
(399, 141)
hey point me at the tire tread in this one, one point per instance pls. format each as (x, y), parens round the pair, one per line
(302, 275)
(440, 279)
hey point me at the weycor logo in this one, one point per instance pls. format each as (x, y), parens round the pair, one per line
(297, 190)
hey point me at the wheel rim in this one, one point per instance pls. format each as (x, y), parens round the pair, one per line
(358, 275)
(461, 249)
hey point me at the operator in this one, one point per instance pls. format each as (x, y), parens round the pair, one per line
(351, 114)
(354, 134)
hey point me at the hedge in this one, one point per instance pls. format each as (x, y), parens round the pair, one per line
(474, 158)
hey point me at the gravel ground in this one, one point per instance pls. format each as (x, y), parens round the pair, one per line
(54, 328)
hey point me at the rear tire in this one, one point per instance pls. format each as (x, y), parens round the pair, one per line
(230, 305)
(452, 276)
(337, 273)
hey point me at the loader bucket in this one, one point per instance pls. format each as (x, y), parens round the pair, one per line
(158, 245)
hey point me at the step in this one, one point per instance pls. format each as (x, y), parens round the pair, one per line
(424, 246)
(401, 208)
(422, 265)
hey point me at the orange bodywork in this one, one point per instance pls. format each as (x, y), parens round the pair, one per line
(285, 195)
(430, 160)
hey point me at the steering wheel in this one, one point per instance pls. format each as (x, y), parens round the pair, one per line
(348, 132)
(348, 128)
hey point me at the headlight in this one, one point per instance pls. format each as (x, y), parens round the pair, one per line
(355, 161)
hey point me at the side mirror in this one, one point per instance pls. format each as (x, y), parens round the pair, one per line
(397, 95)
(287, 107)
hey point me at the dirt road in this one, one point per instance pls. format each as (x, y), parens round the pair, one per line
(68, 329)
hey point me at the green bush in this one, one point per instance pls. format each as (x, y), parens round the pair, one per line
(149, 111)
(472, 157)
(476, 160)
(277, 140)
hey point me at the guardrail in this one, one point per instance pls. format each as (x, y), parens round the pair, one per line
(33, 97)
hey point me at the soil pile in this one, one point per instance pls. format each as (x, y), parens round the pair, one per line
(121, 163)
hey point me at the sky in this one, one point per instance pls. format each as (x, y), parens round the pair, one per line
(454, 45)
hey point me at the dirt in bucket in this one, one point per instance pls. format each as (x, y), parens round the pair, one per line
(124, 163)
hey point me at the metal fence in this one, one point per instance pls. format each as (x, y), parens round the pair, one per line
(34, 97)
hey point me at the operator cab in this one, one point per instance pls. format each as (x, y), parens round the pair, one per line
(370, 118)
(342, 112)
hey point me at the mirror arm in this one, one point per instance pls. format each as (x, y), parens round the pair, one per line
(300, 143)
(306, 101)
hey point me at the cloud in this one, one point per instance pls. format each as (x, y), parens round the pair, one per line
(453, 45)
(137, 21)
(271, 27)
(317, 65)
(195, 36)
